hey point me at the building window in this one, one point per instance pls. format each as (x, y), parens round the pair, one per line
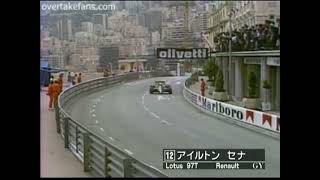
(272, 4)
(271, 16)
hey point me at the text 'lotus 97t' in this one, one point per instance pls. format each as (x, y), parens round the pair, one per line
(160, 87)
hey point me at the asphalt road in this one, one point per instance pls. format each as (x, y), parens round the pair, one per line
(144, 124)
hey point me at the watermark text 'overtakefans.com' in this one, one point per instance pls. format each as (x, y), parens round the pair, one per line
(77, 6)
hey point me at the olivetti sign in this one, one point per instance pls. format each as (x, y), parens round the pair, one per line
(175, 53)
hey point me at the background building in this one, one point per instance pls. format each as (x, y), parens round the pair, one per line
(52, 52)
(64, 28)
(101, 19)
(109, 57)
(85, 55)
(200, 22)
(153, 19)
(87, 27)
(252, 13)
(265, 65)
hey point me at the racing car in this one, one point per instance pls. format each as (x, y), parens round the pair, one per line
(160, 87)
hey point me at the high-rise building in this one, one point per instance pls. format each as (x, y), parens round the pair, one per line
(121, 5)
(200, 22)
(85, 55)
(52, 51)
(109, 56)
(133, 7)
(87, 27)
(147, 4)
(153, 19)
(177, 35)
(64, 27)
(141, 20)
(98, 29)
(101, 19)
(155, 38)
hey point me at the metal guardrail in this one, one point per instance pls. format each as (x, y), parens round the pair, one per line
(99, 157)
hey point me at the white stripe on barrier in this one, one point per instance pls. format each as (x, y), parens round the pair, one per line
(128, 151)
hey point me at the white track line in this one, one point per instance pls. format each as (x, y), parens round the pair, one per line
(165, 122)
(153, 114)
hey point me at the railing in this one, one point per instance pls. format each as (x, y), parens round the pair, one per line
(256, 120)
(99, 157)
(249, 53)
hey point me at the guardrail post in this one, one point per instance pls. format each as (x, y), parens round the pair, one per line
(128, 169)
(107, 161)
(86, 152)
(66, 132)
(57, 114)
(77, 141)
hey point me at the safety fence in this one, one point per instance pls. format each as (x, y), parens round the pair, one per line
(241, 115)
(100, 157)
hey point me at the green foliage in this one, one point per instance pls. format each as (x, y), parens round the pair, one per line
(219, 82)
(210, 69)
(253, 85)
(266, 84)
(194, 77)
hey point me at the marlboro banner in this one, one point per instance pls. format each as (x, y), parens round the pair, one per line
(249, 116)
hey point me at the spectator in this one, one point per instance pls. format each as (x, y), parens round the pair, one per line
(69, 77)
(259, 37)
(74, 80)
(50, 94)
(79, 78)
(105, 73)
(202, 87)
(53, 93)
(60, 82)
(56, 91)
(51, 78)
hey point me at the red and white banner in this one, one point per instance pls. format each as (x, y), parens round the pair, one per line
(257, 118)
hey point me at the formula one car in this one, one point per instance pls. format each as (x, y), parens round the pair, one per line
(160, 87)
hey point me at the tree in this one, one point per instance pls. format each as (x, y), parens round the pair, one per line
(253, 85)
(187, 66)
(219, 82)
(266, 84)
(210, 69)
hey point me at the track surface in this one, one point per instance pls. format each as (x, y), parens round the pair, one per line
(143, 124)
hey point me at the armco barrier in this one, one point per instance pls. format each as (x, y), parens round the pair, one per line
(99, 157)
(259, 119)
